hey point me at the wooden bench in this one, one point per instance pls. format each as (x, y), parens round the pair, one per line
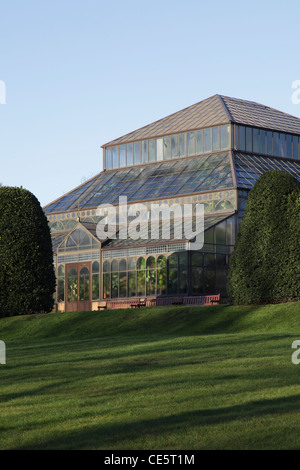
(102, 306)
(139, 304)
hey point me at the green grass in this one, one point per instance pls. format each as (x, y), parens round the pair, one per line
(217, 377)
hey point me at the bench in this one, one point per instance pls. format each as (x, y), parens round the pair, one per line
(102, 306)
(140, 303)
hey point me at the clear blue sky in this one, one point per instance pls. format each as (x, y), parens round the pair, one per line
(79, 73)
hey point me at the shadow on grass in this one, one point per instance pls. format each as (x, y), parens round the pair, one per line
(113, 436)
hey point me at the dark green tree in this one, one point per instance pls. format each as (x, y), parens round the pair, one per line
(27, 278)
(265, 264)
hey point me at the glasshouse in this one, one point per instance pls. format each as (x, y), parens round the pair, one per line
(209, 154)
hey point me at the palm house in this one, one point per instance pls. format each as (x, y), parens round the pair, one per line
(210, 153)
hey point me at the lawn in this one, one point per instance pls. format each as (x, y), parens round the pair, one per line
(217, 377)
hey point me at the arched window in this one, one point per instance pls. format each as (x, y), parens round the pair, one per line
(161, 275)
(95, 281)
(72, 285)
(84, 283)
(131, 277)
(141, 277)
(114, 279)
(122, 278)
(61, 283)
(106, 280)
(151, 276)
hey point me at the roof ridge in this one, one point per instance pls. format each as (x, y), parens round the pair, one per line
(225, 108)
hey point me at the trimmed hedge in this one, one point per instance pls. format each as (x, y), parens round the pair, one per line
(265, 264)
(27, 278)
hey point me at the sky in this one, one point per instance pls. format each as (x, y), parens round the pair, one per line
(79, 73)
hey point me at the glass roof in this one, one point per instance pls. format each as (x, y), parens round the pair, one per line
(166, 179)
(249, 167)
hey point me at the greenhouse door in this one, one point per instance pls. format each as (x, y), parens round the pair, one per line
(78, 287)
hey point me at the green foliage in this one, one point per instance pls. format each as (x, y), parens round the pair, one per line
(27, 279)
(265, 265)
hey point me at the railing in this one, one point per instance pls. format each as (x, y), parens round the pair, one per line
(163, 301)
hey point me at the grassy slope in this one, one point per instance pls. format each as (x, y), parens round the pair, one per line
(216, 377)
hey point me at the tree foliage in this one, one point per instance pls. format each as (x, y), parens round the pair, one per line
(265, 264)
(27, 279)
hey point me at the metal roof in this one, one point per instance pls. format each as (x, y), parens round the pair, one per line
(206, 113)
(213, 111)
(156, 181)
(248, 168)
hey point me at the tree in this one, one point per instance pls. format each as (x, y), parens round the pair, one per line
(27, 278)
(265, 264)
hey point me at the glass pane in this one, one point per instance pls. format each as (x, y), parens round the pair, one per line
(141, 264)
(151, 262)
(95, 286)
(289, 152)
(224, 137)
(115, 157)
(196, 259)
(197, 281)
(152, 150)
(242, 138)
(269, 142)
(84, 284)
(282, 152)
(141, 282)
(209, 281)
(182, 150)
(173, 281)
(145, 151)
(161, 262)
(114, 285)
(122, 265)
(61, 270)
(72, 285)
(256, 140)
(209, 260)
(295, 147)
(191, 143)
(249, 139)
(129, 151)
(167, 147)
(199, 141)
(132, 283)
(207, 140)
(122, 149)
(106, 267)
(215, 138)
(276, 144)
(173, 260)
(151, 281)
(221, 233)
(115, 265)
(123, 284)
(60, 290)
(174, 146)
(108, 158)
(159, 149)
(137, 153)
(95, 268)
(161, 281)
(131, 264)
(262, 141)
(106, 286)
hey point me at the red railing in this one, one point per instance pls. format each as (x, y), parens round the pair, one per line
(163, 301)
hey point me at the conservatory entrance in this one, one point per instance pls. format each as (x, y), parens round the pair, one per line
(78, 287)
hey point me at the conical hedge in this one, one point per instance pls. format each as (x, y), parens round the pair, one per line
(265, 264)
(27, 278)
